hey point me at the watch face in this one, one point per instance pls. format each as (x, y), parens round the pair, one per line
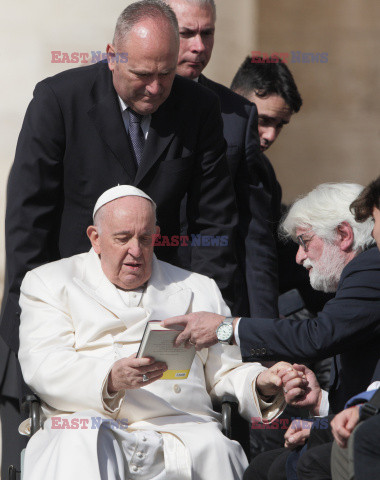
(224, 332)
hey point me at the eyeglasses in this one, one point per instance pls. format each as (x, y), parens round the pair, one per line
(304, 242)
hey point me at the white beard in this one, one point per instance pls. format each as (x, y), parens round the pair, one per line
(326, 271)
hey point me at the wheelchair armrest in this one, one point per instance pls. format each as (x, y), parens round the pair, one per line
(31, 405)
(229, 404)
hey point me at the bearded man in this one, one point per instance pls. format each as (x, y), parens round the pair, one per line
(334, 248)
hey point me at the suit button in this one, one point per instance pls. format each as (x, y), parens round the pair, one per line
(176, 388)
(134, 468)
(263, 351)
(140, 454)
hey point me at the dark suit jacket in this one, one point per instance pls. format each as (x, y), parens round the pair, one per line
(252, 176)
(73, 146)
(348, 328)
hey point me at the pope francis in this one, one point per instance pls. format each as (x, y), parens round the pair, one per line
(107, 414)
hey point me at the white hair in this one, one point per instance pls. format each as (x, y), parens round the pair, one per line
(323, 210)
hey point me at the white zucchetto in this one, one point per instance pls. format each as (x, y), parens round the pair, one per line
(119, 192)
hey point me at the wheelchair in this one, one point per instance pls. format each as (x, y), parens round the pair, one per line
(31, 405)
(233, 425)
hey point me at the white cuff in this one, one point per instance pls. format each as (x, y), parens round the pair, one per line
(236, 333)
(324, 407)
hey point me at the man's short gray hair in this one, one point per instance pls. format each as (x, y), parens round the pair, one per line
(201, 3)
(138, 11)
(323, 210)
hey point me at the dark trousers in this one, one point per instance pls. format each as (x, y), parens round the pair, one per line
(12, 388)
(313, 464)
(269, 465)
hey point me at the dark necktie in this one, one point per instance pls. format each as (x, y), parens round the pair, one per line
(136, 135)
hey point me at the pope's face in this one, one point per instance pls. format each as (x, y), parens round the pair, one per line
(145, 80)
(196, 34)
(124, 239)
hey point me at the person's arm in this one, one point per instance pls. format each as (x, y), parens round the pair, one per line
(344, 323)
(251, 384)
(63, 377)
(34, 200)
(211, 205)
(257, 225)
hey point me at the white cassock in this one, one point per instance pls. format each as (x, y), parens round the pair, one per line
(74, 325)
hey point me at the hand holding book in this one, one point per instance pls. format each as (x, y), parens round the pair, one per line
(158, 343)
(131, 372)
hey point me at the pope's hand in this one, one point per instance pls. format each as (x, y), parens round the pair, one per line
(200, 329)
(269, 382)
(301, 388)
(132, 372)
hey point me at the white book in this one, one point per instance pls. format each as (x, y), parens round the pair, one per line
(158, 343)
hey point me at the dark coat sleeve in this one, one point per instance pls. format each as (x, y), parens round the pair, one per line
(256, 225)
(33, 200)
(211, 208)
(349, 320)
(257, 197)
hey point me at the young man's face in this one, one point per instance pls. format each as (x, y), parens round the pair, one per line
(376, 228)
(274, 113)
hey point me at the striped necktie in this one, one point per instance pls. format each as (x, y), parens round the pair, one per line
(136, 135)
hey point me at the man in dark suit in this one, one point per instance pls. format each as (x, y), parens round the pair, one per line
(257, 249)
(133, 122)
(334, 248)
(269, 83)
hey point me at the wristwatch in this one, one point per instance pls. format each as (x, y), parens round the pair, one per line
(225, 331)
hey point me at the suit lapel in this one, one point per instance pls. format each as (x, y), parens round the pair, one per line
(161, 131)
(202, 80)
(106, 115)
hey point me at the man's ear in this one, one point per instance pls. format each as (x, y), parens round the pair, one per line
(111, 56)
(92, 233)
(345, 236)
